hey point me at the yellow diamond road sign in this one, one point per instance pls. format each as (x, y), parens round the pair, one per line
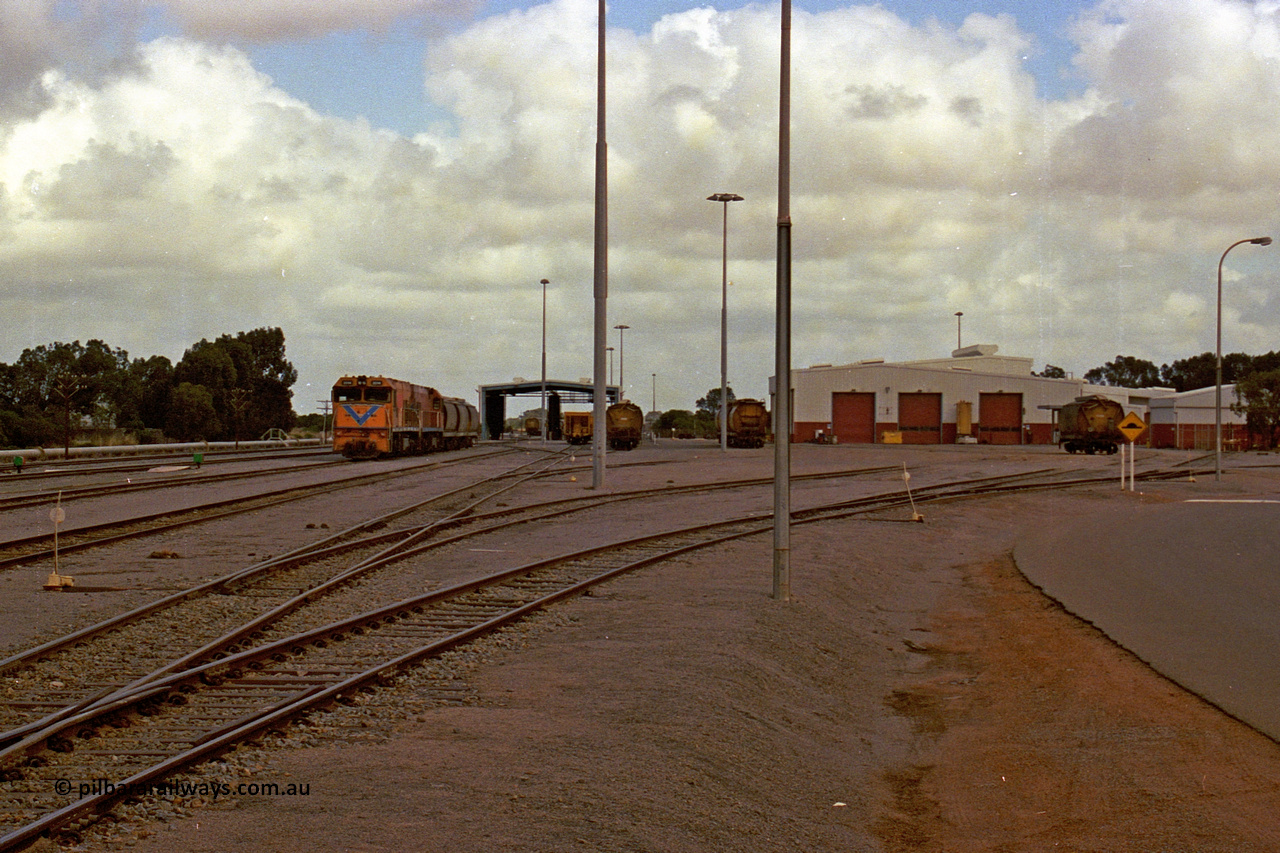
(1132, 426)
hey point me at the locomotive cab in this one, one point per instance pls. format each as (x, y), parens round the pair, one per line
(362, 416)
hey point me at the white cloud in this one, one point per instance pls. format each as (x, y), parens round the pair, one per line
(185, 195)
(271, 20)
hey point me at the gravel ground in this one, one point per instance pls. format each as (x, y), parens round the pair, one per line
(917, 694)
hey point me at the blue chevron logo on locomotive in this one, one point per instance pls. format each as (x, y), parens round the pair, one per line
(360, 419)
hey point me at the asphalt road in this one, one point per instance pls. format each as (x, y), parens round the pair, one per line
(1191, 587)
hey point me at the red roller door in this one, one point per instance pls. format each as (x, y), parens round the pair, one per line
(920, 418)
(853, 417)
(1000, 418)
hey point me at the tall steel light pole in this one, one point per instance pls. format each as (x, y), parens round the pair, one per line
(724, 199)
(782, 336)
(544, 360)
(959, 314)
(1217, 392)
(622, 362)
(653, 401)
(600, 289)
(610, 351)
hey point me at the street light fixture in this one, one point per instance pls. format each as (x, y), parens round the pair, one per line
(1217, 393)
(622, 362)
(544, 360)
(724, 199)
(959, 314)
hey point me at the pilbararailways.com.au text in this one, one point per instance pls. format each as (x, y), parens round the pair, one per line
(204, 790)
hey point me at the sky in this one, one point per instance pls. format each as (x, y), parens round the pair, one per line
(388, 181)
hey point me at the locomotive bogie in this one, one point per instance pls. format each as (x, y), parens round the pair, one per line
(378, 416)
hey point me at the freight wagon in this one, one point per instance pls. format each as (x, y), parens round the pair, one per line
(1090, 424)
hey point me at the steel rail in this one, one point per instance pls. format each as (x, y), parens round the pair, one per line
(19, 501)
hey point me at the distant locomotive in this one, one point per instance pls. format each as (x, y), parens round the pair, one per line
(377, 416)
(623, 425)
(1089, 424)
(533, 426)
(748, 423)
(577, 427)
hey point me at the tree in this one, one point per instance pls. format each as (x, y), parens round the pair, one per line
(1126, 371)
(65, 382)
(247, 377)
(191, 413)
(681, 423)
(1258, 396)
(144, 399)
(1051, 371)
(1188, 374)
(710, 404)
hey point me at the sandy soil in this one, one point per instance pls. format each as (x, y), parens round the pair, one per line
(916, 695)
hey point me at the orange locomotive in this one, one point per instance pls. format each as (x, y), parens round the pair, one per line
(377, 416)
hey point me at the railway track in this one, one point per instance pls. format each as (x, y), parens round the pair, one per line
(84, 467)
(27, 549)
(138, 734)
(44, 498)
(218, 613)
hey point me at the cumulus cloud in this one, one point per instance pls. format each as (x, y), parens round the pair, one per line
(184, 194)
(271, 20)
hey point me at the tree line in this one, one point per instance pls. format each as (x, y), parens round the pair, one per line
(1185, 374)
(231, 388)
(1256, 379)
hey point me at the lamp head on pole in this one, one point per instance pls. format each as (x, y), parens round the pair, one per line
(1261, 241)
(724, 197)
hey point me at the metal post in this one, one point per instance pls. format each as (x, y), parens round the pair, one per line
(601, 279)
(959, 314)
(1217, 391)
(782, 346)
(724, 199)
(544, 360)
(622, 362)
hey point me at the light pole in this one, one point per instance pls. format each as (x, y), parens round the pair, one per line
(1217, 392)
(544, 360)
(959, 314)
(622, 362)
(653, 401)
(724, 199)
(610, 351)
(782, 331)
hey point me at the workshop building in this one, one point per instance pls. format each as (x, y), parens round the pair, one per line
(975, 396)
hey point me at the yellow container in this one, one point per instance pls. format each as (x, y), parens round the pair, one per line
(891, 437)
